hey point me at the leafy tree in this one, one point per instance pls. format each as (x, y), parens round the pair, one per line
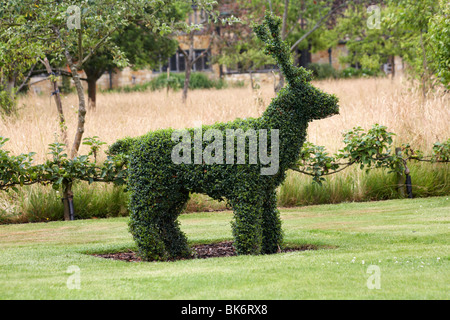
(141, 47)
(73, 32)
(246, 55)
(417, 31)
(411, 20)
(438, 36)
(369, 45)
(305, 25)
(208, 19)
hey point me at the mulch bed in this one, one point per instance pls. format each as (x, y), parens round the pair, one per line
(201, 251)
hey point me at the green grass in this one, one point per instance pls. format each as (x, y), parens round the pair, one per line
(407, 239)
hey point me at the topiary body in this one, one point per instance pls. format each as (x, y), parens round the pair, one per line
(160, 188)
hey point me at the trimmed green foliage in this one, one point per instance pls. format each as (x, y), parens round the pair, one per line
(160, 188)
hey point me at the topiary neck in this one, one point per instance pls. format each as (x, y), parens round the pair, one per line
(282, 115)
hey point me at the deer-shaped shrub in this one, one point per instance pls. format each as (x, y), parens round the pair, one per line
(160, 179)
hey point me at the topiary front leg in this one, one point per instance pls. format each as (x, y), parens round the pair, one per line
(154, 226)
(174, 239)
(246, 227)
(271, 225)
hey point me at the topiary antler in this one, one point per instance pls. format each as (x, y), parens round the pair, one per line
(269, 33)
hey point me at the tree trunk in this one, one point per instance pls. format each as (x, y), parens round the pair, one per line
(93, 73)
(425, 67)
(168, 79)
(392, 58)
(280, 83)
(67, 192)
(190, 61)
(187, 80)
(189, 58)
(251, 78)
(400, 178)
(55, 93)
(81, 99)
(10, 84)
(92, 93)
(81, 106)
(285, 16)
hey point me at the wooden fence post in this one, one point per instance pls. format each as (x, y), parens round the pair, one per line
(408, 182)
(400, 181)
(407, 179)
(69, 212)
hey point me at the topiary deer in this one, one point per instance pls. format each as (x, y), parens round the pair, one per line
(160, 180)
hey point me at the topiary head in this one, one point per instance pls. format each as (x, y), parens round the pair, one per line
(318, 104)
(309, 101)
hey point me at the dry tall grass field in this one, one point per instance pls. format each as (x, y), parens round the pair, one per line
(363, 102)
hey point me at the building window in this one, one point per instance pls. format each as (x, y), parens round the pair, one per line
(177, 62)
(197, 16)
(238, 68)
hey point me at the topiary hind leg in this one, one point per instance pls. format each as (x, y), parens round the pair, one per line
(146, 235)
(271, 225)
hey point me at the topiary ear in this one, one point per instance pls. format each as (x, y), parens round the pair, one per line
(269, 33)
(262, 33)
(304, 74)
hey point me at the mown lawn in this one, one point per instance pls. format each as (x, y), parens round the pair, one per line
(407, 240)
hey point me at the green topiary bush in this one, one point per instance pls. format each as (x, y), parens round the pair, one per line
(165, 166)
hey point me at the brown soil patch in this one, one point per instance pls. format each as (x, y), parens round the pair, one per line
(201, 251)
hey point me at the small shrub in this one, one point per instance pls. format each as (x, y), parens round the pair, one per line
(322, 71)
(351, 72)
(200, 81)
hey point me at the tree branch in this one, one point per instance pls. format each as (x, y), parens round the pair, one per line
(57, 71)
(80, 92)
(206, 50)
(293, 26)
(183, 52)
(346, 165)
(318, 24)
(285, 14)
(78, 65)
(27, 77)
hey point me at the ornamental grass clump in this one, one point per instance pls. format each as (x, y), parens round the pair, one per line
(167, 165)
